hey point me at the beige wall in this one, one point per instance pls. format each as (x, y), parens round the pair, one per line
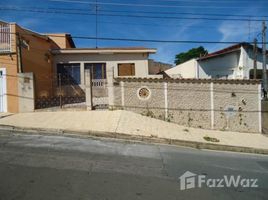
(245, 99)
(35, 58)
(9, 62)
(195, 103)
(61, 40)
(111, 60)
(26, 92)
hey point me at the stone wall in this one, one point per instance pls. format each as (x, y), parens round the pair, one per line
(232, 105)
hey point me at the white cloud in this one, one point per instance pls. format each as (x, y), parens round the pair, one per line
(166, 51)
(238, 31)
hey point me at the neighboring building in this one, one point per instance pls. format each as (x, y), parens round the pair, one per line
(184, 70)
(22, 51)
(157, 67)
(46, 56)
(234, 62)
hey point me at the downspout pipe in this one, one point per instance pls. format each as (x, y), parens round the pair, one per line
(20, 66)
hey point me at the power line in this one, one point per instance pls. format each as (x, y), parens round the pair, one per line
(152, 24)
(139, 11)
(143, 40)
(202, 1)
(185, 13)
(158, 41)
(168, 25)
(96, 22)
(127, 15)
(208, 1)
(148, 5)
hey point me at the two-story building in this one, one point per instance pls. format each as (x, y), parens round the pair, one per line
(50, 57)
(25, 51)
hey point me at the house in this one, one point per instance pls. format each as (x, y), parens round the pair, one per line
(25, 51)
(30, 65)
(124, 61)
(233, 62)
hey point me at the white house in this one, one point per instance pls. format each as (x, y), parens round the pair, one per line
(233, 62)
(126, 62)
(72, 65)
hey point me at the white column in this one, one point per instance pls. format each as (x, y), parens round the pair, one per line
(82, 73)
(110, 86)
(212, 104)
(122, 93)
(88, 89)
(260, 108)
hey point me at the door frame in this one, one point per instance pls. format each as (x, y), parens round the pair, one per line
(4, 89)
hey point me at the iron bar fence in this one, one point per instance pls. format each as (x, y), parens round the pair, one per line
(65, 91)
(58, 91)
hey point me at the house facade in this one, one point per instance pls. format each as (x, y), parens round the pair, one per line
(125, 62)
(30, 65)
(25, 51)
(234, 62)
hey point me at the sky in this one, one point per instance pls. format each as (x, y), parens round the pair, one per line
(143, 19)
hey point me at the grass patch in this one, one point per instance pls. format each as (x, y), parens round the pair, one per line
(211, 139)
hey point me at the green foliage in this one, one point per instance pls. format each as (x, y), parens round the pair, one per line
(192, 53)
(211, 139)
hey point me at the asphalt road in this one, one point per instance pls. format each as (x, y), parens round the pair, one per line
(34, 167)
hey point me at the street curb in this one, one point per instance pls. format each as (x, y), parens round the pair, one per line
(130, 138)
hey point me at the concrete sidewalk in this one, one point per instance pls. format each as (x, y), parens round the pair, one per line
(132, 125)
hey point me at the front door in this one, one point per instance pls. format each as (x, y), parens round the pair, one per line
(99, 84)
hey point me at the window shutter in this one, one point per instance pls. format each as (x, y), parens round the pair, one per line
(126, 69)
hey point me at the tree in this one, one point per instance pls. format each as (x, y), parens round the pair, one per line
(192, 53)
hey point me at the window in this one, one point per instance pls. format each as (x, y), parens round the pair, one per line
(5, 40)
(126, 69)
(98, 70)
(69, 74)
(258, 73)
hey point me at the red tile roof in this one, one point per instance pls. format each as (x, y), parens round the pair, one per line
(226, 50)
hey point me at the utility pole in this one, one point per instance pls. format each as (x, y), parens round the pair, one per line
(96, 23)
(255, 51)
(264, 71)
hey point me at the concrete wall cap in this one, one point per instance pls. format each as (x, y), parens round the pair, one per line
(178, 80)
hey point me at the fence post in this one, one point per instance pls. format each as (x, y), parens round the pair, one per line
(60, 91)
(166, 100)
(88, 88)
(212, 104)
(122, 84)
(110, 86)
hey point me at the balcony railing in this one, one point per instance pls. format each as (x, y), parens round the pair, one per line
(5, 39)
(99, 82)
